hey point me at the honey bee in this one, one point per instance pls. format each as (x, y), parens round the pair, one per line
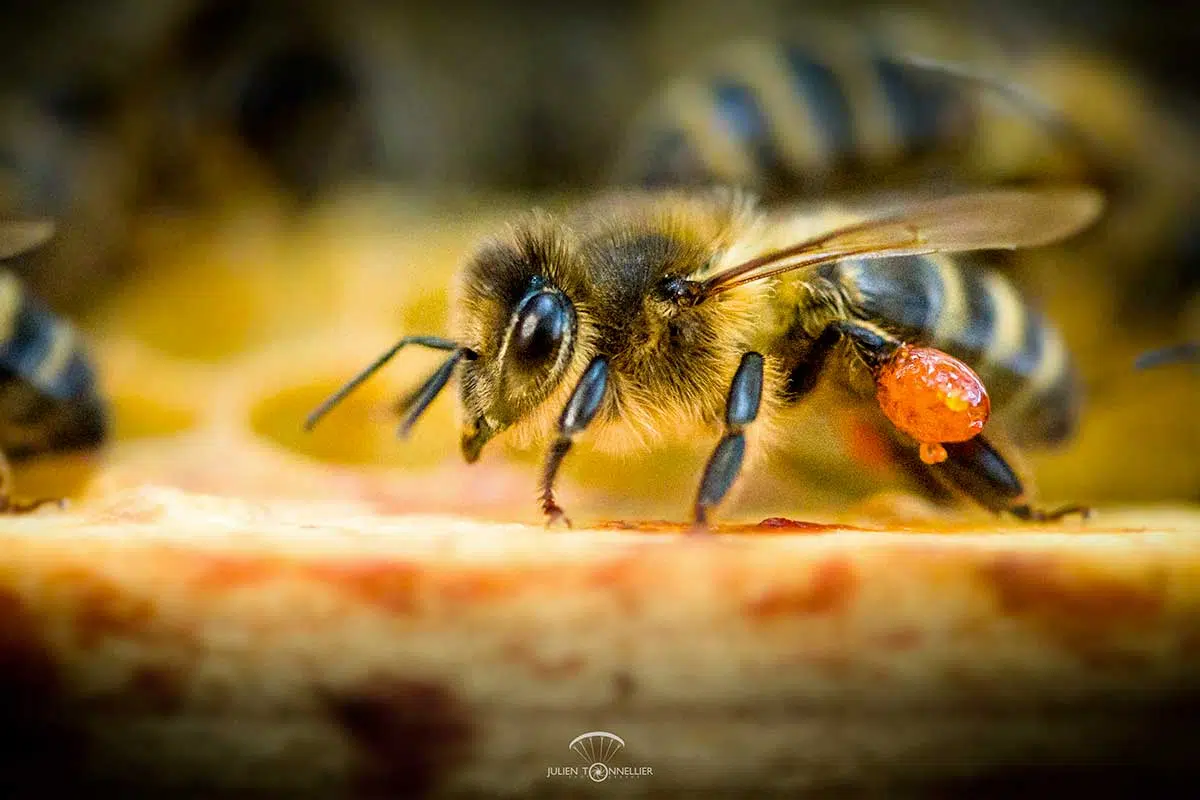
(641, 317)
(806, 115)
(49, 401)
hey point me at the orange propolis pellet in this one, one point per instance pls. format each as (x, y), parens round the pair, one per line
(933, 397)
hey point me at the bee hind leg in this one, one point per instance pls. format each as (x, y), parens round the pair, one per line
(10, 506)
(973, 468)
(576, 416)
(745, 394)
(1031, 514)
(979, 471)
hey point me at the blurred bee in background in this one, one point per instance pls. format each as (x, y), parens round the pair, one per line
(307, 99)
(903, 98)
(246, 88)
(55, 165)
(49, 401)
(71, 143)
(645, 317)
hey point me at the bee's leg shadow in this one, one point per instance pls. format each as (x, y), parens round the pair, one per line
(741, 408)
(576, 416)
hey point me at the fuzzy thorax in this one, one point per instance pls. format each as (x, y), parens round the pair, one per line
(670, 364)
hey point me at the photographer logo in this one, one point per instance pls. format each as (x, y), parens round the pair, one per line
(596, 751)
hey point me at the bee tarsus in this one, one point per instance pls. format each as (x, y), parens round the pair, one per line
(978, 470)
(1028, 513)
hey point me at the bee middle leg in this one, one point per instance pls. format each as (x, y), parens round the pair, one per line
(576, 416)
(741, 408)
(874, 346)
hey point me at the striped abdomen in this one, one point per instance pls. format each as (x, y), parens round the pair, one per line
(976, 315)
(787, 119)
(48, 395)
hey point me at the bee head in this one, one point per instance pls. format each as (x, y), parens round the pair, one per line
(516, 309)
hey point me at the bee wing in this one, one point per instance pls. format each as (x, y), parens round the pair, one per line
(1002, 219)
(17, 236)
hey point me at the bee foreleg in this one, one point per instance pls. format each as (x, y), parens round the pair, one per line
(978, 470)
(576, 416)
(745, 394)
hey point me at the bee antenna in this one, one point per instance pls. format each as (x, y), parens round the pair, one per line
(414, 406)
(432, 342)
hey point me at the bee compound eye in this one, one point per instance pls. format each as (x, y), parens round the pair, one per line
(541, 326)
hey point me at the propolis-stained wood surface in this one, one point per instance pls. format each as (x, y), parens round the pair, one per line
(170, 641)
(231, 607)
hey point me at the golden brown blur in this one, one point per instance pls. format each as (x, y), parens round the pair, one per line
(254, 182)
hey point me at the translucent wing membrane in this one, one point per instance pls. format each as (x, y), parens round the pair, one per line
(988, 220)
